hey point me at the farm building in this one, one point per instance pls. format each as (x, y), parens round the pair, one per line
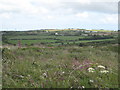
(84, 34)
(56, 33)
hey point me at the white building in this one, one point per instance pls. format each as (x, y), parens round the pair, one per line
(56, 33)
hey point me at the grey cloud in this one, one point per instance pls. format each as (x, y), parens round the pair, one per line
(100, 7)
(76, 7)
(63, 7)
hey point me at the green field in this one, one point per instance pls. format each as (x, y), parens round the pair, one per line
(45, 37)
(49, 38)
(29, 42)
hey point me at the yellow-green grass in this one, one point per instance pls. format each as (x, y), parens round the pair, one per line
(31, 41)
(80, 30)
(47, 37)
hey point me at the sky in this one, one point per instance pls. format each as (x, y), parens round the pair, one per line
(58, 14)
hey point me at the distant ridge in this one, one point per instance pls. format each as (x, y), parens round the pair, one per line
(78, 29)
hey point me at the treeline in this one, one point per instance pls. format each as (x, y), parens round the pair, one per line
(97, 43)
(96, 38)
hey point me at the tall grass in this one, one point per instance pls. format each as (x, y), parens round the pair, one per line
(60, 67)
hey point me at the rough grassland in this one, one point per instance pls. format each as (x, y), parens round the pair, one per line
(60, 67)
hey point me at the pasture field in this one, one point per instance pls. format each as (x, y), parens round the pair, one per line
(70, 59)
(50, 38)
(29, 42)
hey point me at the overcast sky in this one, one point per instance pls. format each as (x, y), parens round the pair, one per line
(60, 14)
